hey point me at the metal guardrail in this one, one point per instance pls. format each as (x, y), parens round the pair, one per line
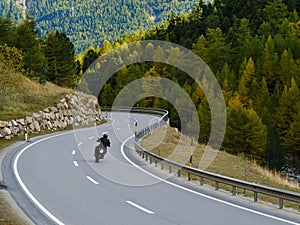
(234, 183)
(162, 112)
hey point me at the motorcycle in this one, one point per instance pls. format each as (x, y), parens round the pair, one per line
(100, 152)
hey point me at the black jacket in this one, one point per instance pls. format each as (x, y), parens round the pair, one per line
(105, 142)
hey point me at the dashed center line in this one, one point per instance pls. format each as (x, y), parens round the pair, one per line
(91, 137)
(140, 207)
(80, 143)
(118, 128)
(73, 152)
(92, 180)
(75, 163)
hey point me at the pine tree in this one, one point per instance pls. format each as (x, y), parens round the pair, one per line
(205, 121)
(286, 114)
(30, 45)
(7, 32)
(107, 96)
(288, 68)
(151, 85)
(199, 47)
(88, 59)
(245, 132)
(217, 51)
(292, 139)
(274, 151)
(269, 64)
(59, 53)
(244, 39)
(276, 11)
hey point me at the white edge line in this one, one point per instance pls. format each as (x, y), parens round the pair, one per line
(35, 201)
(140, 207)
(73, 152)
(75, 163)
(92, 180)
(200, 194)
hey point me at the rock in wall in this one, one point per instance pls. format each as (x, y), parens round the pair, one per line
(72, 110)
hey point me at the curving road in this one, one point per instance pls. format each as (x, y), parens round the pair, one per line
(55, 181)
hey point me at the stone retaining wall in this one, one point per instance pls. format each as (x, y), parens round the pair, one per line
(71, 110)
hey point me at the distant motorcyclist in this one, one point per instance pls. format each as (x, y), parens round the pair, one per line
(101, 149)
(104, 140)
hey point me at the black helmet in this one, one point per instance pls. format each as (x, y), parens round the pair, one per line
(105, 135)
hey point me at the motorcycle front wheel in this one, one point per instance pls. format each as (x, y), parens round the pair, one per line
(97, 158)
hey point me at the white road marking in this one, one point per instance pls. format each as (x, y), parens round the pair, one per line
(118, 128)
(203, 195)
(80, 143)
(140, 207)
(92, 180)
(36, 202)
(23, 186)
(73, 152)
(104, 133)
(91, 137)
(75, 163)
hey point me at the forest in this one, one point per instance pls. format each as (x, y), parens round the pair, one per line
(253, 50)
(88, 23)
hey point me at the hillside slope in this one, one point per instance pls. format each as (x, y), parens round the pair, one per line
(90, 22)
(31, 97)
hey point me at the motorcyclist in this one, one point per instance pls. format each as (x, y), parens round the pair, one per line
(101, 149)
(104, 140)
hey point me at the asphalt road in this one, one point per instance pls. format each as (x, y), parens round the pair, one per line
(56, 181)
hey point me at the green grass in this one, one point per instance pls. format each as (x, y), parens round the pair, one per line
(32, 97)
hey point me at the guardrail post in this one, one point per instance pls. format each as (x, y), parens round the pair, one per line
(162, 165)
(143, 155)
(155, 163)
(280, 203)
(233, 190)
(189, 176)
(140, 153)
(255, 196)
(170, 169)
(201, 181)
(178, 173)
(217, 185)
(146, 158)
(150, 159)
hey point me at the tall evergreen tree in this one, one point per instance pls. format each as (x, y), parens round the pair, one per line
(292, 139)
(59, 53)
(7, 32)
(88, 59)
(269, 64)
(33, 56)
(205, 121)
(245, 132)
(287, 109)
